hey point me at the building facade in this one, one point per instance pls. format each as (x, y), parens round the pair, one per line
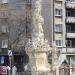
(16, 26)
(63, 32)
(3, 33)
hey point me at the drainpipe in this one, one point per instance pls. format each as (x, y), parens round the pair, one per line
(70, 65)
(53, 20)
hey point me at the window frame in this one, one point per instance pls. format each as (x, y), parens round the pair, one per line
(68, 13)
(58, 12)
(4, 29)
(68, 43)
(59, 43)
(4, 43)
(68, 28)
(58, 28)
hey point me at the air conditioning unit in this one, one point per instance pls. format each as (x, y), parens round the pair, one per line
(4, 43)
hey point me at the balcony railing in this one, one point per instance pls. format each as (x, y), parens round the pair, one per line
(59, 0)
(70, 19)
(70, 35)
(68, 50)
(70, 5)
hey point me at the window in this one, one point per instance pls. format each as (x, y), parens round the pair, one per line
(58, 28)
(68, 28)
(67, 0)
(3, 14)
(4, 43)
(58, 12)
(71, 0)
(68, 13)
(58, 42)
(69, 43)
(28, 1)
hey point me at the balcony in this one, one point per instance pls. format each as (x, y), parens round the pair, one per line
(63, 50)
(59, 0)
(70, 19)
(70, 35)
(68, 50)
(70, 5)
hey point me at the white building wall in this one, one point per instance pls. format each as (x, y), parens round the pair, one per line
(60, 4)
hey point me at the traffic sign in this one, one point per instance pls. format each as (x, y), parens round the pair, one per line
(10, 52)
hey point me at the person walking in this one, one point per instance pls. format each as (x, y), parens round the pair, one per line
(14, 70)
(8, 70)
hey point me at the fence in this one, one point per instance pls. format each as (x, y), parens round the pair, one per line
(66, 71)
